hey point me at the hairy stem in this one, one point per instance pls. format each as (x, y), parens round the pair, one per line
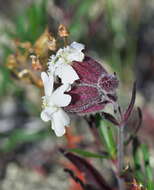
(120, 156)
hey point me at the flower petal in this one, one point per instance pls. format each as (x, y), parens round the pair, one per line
(64, 117)
(58, 128)
(46, 114)
(48, 83)
(75, 56)
(66, 73)
(60, 120)
(77, 46)
(59, 98)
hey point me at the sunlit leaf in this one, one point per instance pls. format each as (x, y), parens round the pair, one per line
(88, 154)
(106, 134)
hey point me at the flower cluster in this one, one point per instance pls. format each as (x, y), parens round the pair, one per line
(60, 66)
(85, 86)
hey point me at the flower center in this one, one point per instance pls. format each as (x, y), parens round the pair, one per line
(45, 104)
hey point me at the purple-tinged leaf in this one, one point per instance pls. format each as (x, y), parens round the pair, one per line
(79, 181)
(74, 177)
(110, 118)
(137, 127)
(120, 112)
(92, 176)
(131, 105)
(140, 119)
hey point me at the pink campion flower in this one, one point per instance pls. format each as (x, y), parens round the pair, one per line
(94, 89)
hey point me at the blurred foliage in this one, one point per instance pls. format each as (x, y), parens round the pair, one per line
(142, 167)
(110, 33)
(30, 24)
(78, 26)
(107, 33)
(20, 136)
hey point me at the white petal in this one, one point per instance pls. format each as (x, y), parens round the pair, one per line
(48, 83)
(60, 61)
(76, 56)
(51, 69)
(52, 60)
(58, 128)
(60, 120)
(44, 116)
(52, 124)
(60, 51)
(77, 46)
(47, 113)
(59, 98)
(66, 73)
(64, 117)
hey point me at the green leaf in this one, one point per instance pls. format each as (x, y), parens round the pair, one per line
(137, 159)
(37, 19)
(147, 167)
(76, 29)
(84, 8)
(88, 154)
(78, 25)
(107, 137)
(21, 136)
(72, 1)
(4, 80)
(30, 23)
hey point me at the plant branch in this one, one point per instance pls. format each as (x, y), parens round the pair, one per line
(120, 157)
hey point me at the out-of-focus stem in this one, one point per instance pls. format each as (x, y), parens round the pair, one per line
(65, 41)
(120, 148)
(94, 131)
(120, 157)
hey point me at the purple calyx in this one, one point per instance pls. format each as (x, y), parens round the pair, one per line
(94, 90)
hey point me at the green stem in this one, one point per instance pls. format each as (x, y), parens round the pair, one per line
(120, 157)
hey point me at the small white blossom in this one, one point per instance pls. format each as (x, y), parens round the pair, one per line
(59, 64)
(52, 103)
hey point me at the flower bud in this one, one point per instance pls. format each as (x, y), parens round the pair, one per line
(94, 89)
(62, 31)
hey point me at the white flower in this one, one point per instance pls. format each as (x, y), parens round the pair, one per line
(52, 103)
(59, 64)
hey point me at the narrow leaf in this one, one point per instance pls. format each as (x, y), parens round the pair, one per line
(132, 136)
(79, 181)
(88, 154)
(131, 105)
(106, 134)
(92, 176)
(137, 158)
(110, 118)
(19, 136)
(148, 170)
